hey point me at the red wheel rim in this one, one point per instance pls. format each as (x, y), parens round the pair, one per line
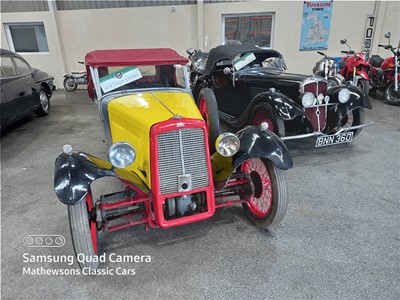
(262, 116)
(204, 110)
(260, 204)
(92, 224)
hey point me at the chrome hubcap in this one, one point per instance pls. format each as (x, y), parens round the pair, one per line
(44, 101)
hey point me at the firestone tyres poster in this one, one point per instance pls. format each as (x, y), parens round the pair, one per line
(316, 25)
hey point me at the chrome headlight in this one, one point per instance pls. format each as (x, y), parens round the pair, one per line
(121, 155)
(308, 99)
(227, 144)
(344, 95)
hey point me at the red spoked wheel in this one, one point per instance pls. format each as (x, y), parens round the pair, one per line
(264, 113)
(353, 118)
(267, 204)
(207, 104)
(84, 232)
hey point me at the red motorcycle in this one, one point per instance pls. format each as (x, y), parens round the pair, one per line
(354, 67)
(384, 74)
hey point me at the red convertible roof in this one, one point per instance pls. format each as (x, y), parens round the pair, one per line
(137, 57)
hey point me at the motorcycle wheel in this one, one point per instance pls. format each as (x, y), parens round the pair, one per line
(208, 108)
(84, 232)
(267, 204)
(264, 113)
(70, 84)
(391, 96)
(354, 118)
(363, 84)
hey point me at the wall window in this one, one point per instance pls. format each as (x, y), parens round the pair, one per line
(27, 37)
(248, 29)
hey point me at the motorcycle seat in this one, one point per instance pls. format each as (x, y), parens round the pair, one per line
(376, 60)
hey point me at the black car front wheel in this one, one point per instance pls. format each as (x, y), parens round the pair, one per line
(267, 204)
(353, 118)
(264, 113)
(208, 108)
(84, 232)
(44, 107)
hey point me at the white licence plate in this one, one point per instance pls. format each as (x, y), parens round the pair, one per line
(328, 140)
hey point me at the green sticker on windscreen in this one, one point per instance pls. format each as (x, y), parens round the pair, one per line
(244, 61)
(119, 78)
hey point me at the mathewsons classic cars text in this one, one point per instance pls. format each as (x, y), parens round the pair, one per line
(59, 262)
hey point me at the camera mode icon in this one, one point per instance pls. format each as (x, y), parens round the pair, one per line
(44, 240)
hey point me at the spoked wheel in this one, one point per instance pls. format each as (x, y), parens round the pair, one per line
(44, 108)
(364, 85)
(268, 203)
(353, 118)
(84, 232)
(208, 108)
(391, 96)
(70, 84)
(264, 113)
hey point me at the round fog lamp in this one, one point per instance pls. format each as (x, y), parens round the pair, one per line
(308, 99)
(227, 144)
(121, 155)
(344, 95)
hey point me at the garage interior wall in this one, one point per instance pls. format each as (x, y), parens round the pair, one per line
(73, 33)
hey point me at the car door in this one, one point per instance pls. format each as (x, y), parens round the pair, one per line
(16, 95)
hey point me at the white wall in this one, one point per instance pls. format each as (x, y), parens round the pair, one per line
(81, 31)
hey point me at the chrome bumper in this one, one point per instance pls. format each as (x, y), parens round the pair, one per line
(317, 134)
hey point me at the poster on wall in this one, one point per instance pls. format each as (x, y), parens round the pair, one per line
(316, 25)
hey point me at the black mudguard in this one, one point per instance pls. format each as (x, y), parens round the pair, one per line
(358, 99)
(284, 107)
(254, 142)
(76, 171)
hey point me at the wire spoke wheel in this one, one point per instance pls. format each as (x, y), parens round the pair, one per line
(263, 113)
(267, 204)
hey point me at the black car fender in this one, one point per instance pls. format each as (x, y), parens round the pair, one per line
(74, 172)
(284, 107)
(254, 143)
(358, 99)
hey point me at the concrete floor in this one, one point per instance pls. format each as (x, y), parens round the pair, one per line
(340, 238)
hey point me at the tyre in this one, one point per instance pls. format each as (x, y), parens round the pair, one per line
(268, 203)
(70, 84)
(84, 232)
(353, 118)
(44, 107)
(208, 108)
(364, 85)
(391, 96)
(264, 113)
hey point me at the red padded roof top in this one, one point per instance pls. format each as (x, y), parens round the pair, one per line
(137, 57)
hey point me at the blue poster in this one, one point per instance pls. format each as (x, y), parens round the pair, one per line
(316, 25)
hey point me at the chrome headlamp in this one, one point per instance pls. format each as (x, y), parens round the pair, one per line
(308, 99)
(344, 95)
(227, 144)
(121, 155)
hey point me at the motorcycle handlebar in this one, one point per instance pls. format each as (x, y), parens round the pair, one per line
(319, 52)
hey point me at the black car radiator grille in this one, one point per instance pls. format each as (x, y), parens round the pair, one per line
(316, 115)
(182, 152)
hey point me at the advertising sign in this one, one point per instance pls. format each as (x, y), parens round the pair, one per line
(316, 25)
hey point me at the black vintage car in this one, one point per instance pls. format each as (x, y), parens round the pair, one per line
(251, 85)
(23, 89)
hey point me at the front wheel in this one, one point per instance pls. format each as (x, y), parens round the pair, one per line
(267, 204)
(363, 84)
(353, 118)
(44, 107)
(70, 84)
(264, 113)
(391, 96)
(84, 232)
(208, 108)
